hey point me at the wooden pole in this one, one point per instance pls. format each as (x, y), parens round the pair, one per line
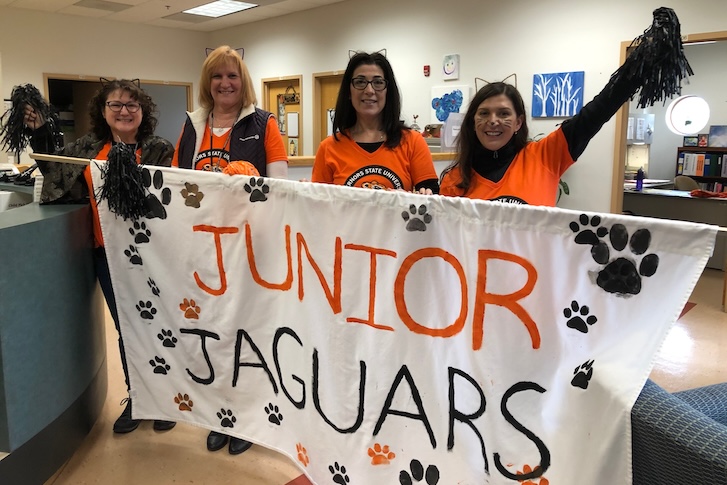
(57, 158)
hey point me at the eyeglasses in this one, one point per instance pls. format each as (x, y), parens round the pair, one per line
(116, 107)
(378, 83)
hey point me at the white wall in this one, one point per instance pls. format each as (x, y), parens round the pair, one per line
(494, 39)
(709, 62)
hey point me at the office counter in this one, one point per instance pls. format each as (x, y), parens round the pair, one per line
(679, 205)
(53, 378)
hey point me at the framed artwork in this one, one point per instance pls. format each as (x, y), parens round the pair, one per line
(557, 95)
(691, 141)
(703, 140)
(718, 136)
(450, 67)
(448, 99)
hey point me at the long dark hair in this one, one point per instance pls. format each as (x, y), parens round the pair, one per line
(345, 116)
(467, 141)
(96, 107)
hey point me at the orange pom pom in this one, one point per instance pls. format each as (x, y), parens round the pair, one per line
(241, 168)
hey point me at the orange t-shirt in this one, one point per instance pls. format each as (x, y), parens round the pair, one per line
(532, 177)
(344, 162)
(102, 155)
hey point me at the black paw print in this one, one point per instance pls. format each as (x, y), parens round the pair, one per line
(146, 310)
(140, 232)
(227, 420)
(155, 206)
(339, 474)
(133, 254)
(192, 196)
(153, 287)
(257, 188)
(583, 374)
(575, 315)
(160, 365)
(430, 477)
(620, 274)
(274, 415)
(587, 236)
(414, 222)
(168, 339)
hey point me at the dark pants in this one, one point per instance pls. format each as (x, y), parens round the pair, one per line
(104, 279)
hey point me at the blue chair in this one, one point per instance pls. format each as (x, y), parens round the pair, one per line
(680, 438)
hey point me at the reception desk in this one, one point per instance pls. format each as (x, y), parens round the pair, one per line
(680, 206)
(53, 378)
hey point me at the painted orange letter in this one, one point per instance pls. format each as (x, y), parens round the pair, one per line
(285, 285)
(334, 298)
(217, 231)
(372, 284)
(510, 301)
(458, 324)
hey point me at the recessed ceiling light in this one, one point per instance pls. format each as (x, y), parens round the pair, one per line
(220, 8)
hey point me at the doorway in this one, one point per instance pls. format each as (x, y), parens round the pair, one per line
(282, 97)
(325, 94)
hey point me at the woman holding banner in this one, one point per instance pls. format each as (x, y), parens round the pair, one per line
(229, 134)
(496, 160)
(121, 113)
(370, 147)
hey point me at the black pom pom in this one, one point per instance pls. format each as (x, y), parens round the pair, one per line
(14, 135)
(657, 60)
(123, 186)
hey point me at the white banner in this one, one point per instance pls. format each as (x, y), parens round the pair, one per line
(389, 337)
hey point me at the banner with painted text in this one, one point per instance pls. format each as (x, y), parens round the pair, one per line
(389, 337)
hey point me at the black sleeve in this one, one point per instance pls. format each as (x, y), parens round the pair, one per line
(42, 140)
(579, 130)
(432, 184)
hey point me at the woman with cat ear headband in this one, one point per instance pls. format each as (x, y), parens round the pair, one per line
(228, 128)
(122, 122)
(496, 160)
(370, 147)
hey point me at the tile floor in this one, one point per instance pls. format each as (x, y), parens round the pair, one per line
(693, 355)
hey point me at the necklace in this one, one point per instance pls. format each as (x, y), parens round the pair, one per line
(358, 134)
(215, 167)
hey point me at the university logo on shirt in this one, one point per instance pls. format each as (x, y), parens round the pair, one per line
(374, 177)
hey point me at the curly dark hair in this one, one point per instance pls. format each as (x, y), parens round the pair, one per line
(345, 116)
(96, 107)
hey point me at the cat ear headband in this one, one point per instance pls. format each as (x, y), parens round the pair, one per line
(352, 53)
(105, 81)
(485, 83)
(239, 50)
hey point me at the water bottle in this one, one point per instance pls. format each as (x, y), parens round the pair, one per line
(639, 179)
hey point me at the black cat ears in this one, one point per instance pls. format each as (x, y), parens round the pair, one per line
(239, 50)
(352, 53)
(485, 83)
(105, 81)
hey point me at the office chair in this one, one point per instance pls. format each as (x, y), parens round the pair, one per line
(682, 182)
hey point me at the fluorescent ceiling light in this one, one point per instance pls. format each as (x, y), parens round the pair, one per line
(220, 8)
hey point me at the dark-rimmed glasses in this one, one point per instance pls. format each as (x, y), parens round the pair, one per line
(378, 83)
(116, 107)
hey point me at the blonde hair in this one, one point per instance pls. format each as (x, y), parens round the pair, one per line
(219, 57)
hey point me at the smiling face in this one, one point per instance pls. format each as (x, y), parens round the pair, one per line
(124, 125)
(367, 102)
(226, 87)
(496, 121)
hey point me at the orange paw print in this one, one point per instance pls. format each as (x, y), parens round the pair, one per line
(190, 309)
(534, 481)
(302, 454)
(381, 455)
(185, 403)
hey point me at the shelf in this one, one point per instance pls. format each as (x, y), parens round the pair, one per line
(702, 149)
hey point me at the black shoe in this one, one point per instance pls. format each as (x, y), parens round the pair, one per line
(125, 424)
(238, 446)
(216, 441)
(160, 425)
